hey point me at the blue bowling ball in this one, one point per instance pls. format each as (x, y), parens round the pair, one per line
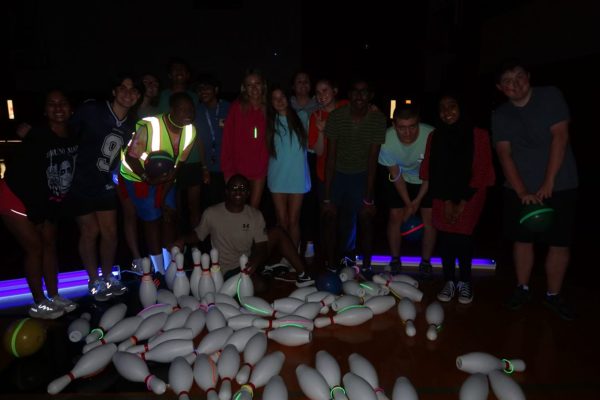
(329, 282)
(412, 229)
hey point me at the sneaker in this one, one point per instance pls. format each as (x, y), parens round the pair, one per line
(275, 270)
(518, 298)
(447, 293)
(64, 303)
(557, 304)
(98, 290)
(45, 309)
(136, 266)
(366, 273)
(425, 270)
(304, 279)
(115, 286)
(347, 262)
(394, 266)
(465, 292)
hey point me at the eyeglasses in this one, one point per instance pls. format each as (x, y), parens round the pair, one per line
(361, 92)
(239, 188)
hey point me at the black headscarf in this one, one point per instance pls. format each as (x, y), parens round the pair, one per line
(451, 158)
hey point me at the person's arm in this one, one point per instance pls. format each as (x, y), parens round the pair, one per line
(134, 151)
(259, 256)
(558, 146)
(503, 148)
(227, 145)
(330, 167)
(368, 199)
(200, 232)
(316, 132)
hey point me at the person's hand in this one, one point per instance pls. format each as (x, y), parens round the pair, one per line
(545, 191)
(529, 198)
(319, 121)
(369, 210)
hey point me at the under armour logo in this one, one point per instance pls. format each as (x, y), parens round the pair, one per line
(245, 227)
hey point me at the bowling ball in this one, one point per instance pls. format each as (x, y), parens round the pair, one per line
(329, 282)
(158, 164)
(412, 229)
(537, 217)
(24, 337)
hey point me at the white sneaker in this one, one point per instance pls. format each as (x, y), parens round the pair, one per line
(45, 310)
(64, 303)
(98, 289)
(447, 293)
(136, 266)
(115, 286)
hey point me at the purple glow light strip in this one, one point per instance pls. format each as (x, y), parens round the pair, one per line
(63, 279)
(478, 263)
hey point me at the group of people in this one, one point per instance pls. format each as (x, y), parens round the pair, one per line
(225, 154)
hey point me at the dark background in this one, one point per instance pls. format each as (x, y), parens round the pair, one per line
(407, 49)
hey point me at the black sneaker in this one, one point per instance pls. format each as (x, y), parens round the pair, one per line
(425, 270)
(519, 297)
(465, 292)
(275, 270)
(447, 292)
(557, 304)
(366, 273)
(304, 279)
(395, 265)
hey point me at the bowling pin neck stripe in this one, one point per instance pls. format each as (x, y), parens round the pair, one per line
(249, 387)
(148, 381)
(134, 339)
(336, 389)
(70, 375)
(508, 366)
(99, 331)
(378, 390)
(212, 389)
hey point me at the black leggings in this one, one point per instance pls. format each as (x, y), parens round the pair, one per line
(454, 246)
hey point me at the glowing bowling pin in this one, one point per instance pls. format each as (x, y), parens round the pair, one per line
(215, 269)
(330, 369)
(147, 290)
(485, 363)
(107, 321)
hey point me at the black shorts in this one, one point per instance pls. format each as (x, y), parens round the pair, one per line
(189, 175)
(395, 201)
(77, 205)
(560, 234)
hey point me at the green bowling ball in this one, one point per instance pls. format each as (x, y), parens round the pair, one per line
(537, 217)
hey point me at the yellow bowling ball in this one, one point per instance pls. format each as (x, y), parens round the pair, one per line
(24, 337)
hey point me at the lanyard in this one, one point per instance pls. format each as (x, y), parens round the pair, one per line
(212, 131)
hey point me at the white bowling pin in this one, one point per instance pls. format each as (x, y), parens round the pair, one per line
(400, 289)
(406, 279)
(134, 369)
(275, 389)
(174, 334)
(302, 292)
(215, 319)
(227, 366)
(363, 368)
(504, 387)
(221, 298)
(172, 268)
(107, 321)
(357, 388)
(329, 368)
(79, 328)
(121, 331)
(404, 390)
(474, 388)
(308, 310)
(181, 378)
(269, 366)
(206, 283)
(177, 319)
(166, 352)
(147, 328)
(241, 321)
(287, 305)
(245, 286)
(164, 296)
(485, 363)
(374, 289)
(408, 313)
(157, 308)
(380, 304)
(214, 340)
(288, 320)
(258, 306)
(196, 321)
(215, 269)
(240, 338)
(147, 292)
(353, 288)
(345, 301)
(349, 317)
(196, 272)
(320, 296)
(312, 383)
(228, 310)
(254, 351)
(290, 335)
(205, 375)
(188, 301)
(181, 283)
(348, 273)
(230, 286)
(90, 363)
(434, 314)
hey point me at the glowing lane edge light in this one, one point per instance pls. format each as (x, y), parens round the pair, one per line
(392, 108)
(11, 109)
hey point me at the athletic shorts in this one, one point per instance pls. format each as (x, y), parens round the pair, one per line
(395, 201)
(9, 202)
(77, 205)
(559, 234)
(147, 199)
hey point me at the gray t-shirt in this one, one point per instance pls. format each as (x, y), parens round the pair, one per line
(527, 129)
(232, 233)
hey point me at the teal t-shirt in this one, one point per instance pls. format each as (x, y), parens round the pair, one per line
(406, 156)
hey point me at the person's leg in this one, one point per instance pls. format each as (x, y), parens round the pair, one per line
(464, 253)
(281, 243)
(257, 186)
(429, 234)
(447, 254)
(329, 237)
(557, 262)
(365, 221)
(130, 223)
(107, 223)
(281, 210)
(50, 258)
(523, 255)
(194, 198)
(396, 216)
(294, 207)
(88, 237)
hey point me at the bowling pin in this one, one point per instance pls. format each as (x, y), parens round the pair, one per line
(269, 366)
(408, 313)
(474, 388)
(320, 296)
(164, 296)
(240, 338)
(188, 301)
(92, 362)
(147, 328)
(329, 368)
(301, 293)
(312, 383)
(228, 310)
(215, 269)
(254, 351)
(121, 331)
(349, 317)
(156, 309)
(181, 378)
(287, 305)
(380, 304)
(405, 278)
(357, 388)
(134, 369)
(245, 286)
(308, 310)
(404, 390)
(290, 335)
(107, 321)
(196, 272)
(79, 328)
(147, 290)
(348, 273)
(353, 288)
(230, 286)
(227, 366)
(172, 268)
(504, 387)
(363, 368)
(241, 321)
(400, 289)
(215, 319)
(292, 320)
(205, 375)
(374, 289)
(434, 314)
(196, 321)
(166, 352)
(214, 340)
(174, 334)
(484, 363)
(206, 283)
(221, 298)
(345, 301)
(177, 319)
(181, 284)
(275, 389)
(258, 306)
